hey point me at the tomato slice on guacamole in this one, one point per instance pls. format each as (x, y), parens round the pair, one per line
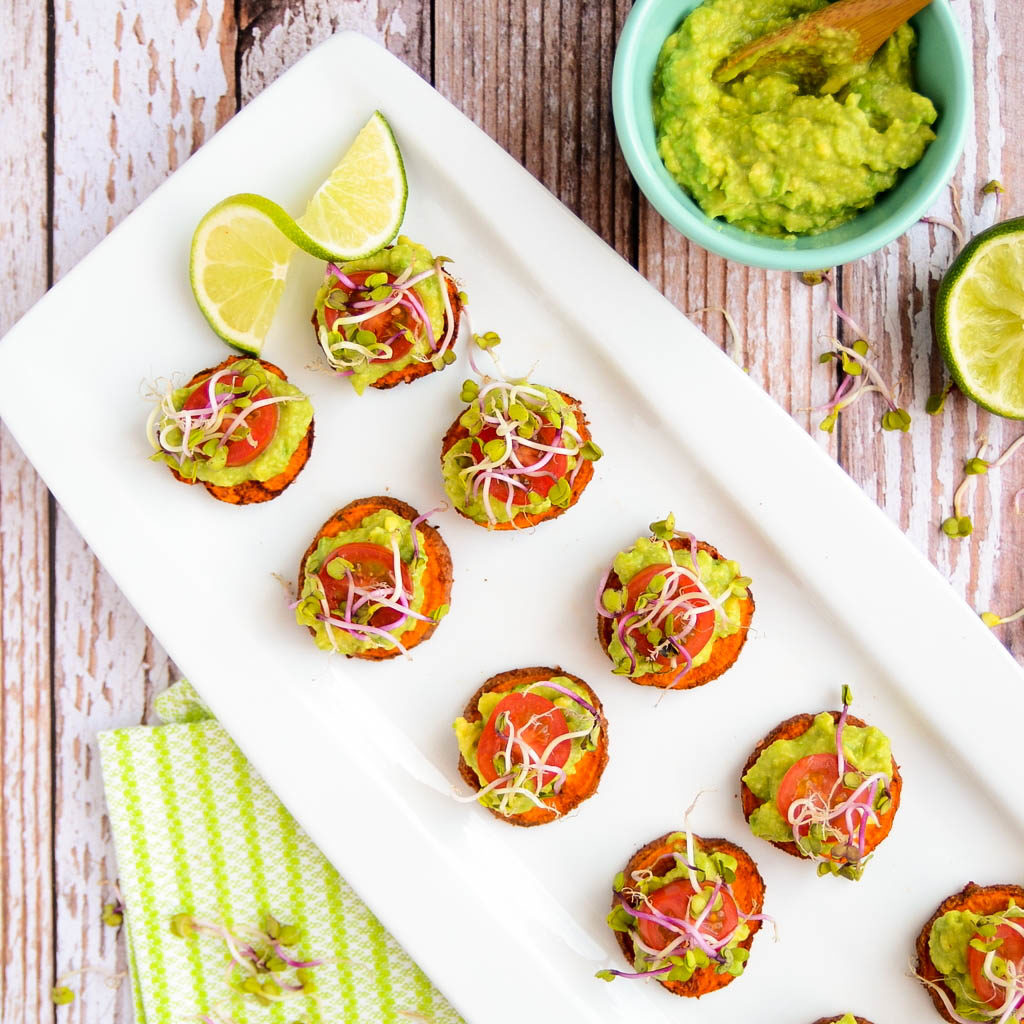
(673, 900)
(254, 434)
(695, 641)
(536, 722)
(389, 326)
(554, 468)
(372, 567)
(1011, 950)
(815, 776)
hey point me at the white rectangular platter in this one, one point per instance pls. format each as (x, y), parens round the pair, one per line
(510, 922)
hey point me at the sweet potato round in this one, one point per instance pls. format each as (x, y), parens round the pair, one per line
(581, 784)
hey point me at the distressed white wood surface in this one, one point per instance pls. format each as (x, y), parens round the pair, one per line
(26, 882)
(135, 89)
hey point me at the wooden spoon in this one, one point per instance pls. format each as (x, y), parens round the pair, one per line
(798, 45)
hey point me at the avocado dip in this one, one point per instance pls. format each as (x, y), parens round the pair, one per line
(788, 151)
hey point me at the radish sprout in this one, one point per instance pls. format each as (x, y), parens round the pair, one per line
(959, 524)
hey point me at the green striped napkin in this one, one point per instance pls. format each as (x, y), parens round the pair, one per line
(198, 832)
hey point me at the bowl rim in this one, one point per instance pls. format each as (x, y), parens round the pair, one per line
(707, 232)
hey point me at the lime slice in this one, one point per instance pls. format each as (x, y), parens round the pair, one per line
(359, 208)
(239, 260)
(979, 319)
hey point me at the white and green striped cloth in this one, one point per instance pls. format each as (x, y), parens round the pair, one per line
(197, 831)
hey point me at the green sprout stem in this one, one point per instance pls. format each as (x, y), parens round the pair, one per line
(62, 994)
(734, 334)
(943, 223)
(862, 378)
(991, 619)
(959, 524)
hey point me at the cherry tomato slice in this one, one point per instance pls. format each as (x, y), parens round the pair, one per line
(1011, 950)
(702, 632)
(814, 774)
(372, 565)
(673, 901)
(262, 423)
(557, 465)
(383, 325)
(536, 721)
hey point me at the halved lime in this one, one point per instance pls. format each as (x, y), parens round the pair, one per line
(979, 319)
(359, 208)
(239, 260)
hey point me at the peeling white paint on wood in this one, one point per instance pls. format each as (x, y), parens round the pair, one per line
(138, 88)
(278, 34)
(146, 89)
(26, 913)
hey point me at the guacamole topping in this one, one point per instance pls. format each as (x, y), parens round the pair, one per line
(523, 784)
(194, 442)
(522, 455)
(694, 940)
(371, 325)
(786, 149)
(827, 822)
(349, 629)
(659, 626)
(950, 943)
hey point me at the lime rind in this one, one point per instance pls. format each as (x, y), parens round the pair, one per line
(359, 209)
(237, 268)
(980, 319)
(242, 247)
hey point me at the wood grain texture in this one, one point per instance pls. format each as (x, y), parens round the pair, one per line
(26, 877)
(913, 476)
(134, 95)
(273, 34)
(537, 78)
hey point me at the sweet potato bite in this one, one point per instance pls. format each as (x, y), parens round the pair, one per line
(970, 954)
(533, 743)
(685, 911)
(672, 612)
(824, 787)
(375, 581)
(238, 428)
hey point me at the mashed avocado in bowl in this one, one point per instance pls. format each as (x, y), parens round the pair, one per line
(791, 177)
(783, 153)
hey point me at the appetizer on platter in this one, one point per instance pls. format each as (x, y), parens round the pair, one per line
(824, 787)
(533, 743)
(671, 611)
(519, 454)
(970, 955)
(238, 428)
(376, 580)
(685, 911)
(388, 318)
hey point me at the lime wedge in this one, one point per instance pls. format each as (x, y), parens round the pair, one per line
(239, 260)
(359, 208)
(979, 319)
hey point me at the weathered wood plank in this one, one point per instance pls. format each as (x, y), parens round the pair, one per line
(778, 318)
(273, 34)
(135, 94)
(26, 881)
(913, 476)
(537, 78)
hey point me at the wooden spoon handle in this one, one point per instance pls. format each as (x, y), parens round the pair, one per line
(873, 20)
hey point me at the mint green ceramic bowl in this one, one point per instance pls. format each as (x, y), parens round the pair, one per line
(943, 73)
